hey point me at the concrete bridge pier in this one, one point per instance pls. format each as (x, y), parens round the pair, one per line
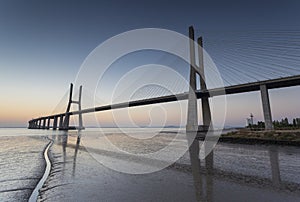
(61, 122)
(79, 108)
(44, 123)
(39, 123)
(48, 123)
(66, 122)
(55, 122)
(32, 124)
(266, 107)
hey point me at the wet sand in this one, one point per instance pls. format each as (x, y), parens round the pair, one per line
(236, 172)
(240, 173)
(21, 166)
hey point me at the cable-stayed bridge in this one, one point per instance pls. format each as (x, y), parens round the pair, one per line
(269, 66)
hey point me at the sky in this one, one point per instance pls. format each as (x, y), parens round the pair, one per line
(44, 43)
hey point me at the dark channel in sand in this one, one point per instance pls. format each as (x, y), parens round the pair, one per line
(35, 192)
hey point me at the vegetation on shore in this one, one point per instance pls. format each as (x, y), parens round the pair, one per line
(284, 131)
(282, 124)
(276, 135)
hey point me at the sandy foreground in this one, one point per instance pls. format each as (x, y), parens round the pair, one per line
(21, 166)
(240, 173)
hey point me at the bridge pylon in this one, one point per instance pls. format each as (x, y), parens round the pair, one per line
(192, 126)
(192, 115)
(65, 120)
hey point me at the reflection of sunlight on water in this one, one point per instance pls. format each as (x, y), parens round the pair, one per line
(148, 155)
(252, 160)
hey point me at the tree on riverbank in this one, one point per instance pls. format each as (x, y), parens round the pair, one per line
(283, 124)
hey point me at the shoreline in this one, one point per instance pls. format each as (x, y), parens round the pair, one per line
(253, 141)
(284, 138)
(276, 137)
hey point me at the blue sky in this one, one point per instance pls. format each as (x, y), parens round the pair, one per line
(43, 44)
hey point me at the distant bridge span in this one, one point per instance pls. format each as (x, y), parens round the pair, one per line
(235, 89)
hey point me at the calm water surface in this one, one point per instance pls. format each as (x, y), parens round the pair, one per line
(233, 172)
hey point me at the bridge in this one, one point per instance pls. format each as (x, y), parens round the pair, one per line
(61, 120)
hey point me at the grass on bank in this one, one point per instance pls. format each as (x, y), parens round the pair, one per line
(279, 135)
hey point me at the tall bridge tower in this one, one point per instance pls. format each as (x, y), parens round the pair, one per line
(192, 127)
(65, 122)
(192, 114)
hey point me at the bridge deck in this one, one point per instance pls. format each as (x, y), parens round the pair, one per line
(241, 88)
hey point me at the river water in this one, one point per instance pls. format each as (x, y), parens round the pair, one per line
(85, 167)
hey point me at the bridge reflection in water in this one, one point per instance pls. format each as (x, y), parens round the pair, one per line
(265, 178)
(204, 178)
